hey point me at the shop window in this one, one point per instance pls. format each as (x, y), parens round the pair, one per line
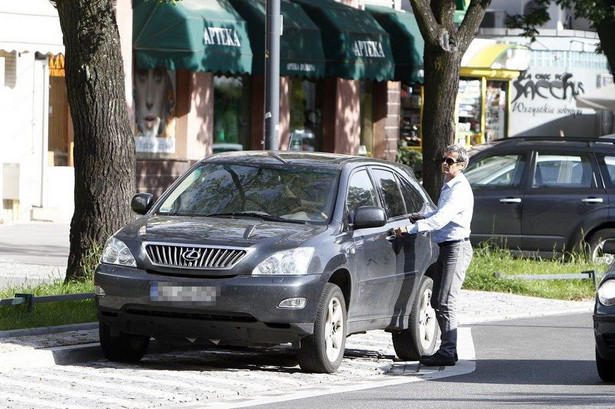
(231, 113)
(305, 115)
(60, 133)
(495, 110)
(410, 119)
(469, 112)
(367, 118)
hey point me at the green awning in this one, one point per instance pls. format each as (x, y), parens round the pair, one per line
(355, 46)
(406, 41)
(301, 52)
(198, 35)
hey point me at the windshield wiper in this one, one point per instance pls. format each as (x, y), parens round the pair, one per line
(257, 215)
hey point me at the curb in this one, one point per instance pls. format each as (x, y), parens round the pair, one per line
(47, 330)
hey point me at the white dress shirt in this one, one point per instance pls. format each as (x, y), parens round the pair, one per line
(452, 219)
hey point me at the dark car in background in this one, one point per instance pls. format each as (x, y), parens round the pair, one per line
(604, 321)
(269, 248)
(544, 195)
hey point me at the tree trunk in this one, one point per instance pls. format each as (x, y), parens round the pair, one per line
(606, 33)
(441, 86)
(104, 150)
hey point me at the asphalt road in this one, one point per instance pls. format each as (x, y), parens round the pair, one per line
(526, 363)
(33, 252)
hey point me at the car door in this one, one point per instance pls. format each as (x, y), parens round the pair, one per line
(373, 258)
(496, 181)
(565, 197)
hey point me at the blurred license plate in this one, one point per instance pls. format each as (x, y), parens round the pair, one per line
(180, 293)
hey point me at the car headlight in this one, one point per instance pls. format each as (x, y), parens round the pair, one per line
(606, 293)
(116, 252)
(289, 262)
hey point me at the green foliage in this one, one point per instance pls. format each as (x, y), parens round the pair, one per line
(410, 157)
(48, 313)
(488, 261)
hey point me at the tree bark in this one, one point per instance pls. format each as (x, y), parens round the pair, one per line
(104, 150)
(445, 45)
(606, 33)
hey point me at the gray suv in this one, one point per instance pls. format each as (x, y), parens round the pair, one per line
(544, 195)
(264, 248)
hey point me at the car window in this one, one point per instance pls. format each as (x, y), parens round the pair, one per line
(391, 193)
(297, 193)
(562, 171)
(496, 171)
(361, 191)
(610, 166)
(413, 199)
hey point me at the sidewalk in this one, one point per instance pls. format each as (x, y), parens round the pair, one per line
(79, 343)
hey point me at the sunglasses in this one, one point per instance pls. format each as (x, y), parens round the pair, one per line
(449, 161)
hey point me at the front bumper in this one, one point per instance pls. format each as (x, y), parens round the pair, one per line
(240, 310)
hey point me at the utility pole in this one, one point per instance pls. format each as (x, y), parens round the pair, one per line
(272, 76)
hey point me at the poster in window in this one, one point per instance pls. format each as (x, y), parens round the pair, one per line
(154, 97)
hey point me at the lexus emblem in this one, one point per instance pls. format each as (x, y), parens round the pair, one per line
(191, 255)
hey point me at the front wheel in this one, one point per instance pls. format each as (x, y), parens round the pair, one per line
(606, 368)
(127, 348)
(323, 351)
(422, 333)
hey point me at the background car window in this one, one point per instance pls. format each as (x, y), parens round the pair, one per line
(413, 199)
(391, 194)
(610, 166)
(496, 171)
(562, 171)
(361, 191)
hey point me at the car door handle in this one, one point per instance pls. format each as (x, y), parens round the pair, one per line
(592, 200)
(511, 200)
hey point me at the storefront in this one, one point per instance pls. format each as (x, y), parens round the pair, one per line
(485, 87)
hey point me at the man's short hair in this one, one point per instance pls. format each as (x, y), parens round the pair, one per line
(460, 150)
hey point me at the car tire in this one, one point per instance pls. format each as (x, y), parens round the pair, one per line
(596, 241)
(422, 333)
(322, 352)
(606, 368)
(127, 348)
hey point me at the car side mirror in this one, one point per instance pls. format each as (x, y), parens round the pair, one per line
(141, 202)
(369, 216)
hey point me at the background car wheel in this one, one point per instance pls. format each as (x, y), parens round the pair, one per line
(323, 351)
(422, 333)
(606, 368)
(126, 348)
(596, 242)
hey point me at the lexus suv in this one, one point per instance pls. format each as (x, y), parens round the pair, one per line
(544, 196)
(268, 248)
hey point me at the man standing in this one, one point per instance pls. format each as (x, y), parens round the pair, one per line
(451, 226)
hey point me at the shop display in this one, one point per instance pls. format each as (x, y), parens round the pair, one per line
(495, 114)
(411, 112)
(469, 112)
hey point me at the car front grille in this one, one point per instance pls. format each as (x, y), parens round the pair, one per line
(170, 255)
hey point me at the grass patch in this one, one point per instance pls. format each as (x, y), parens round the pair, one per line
(488, 261)
(48, 313)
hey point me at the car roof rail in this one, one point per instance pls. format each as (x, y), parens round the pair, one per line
(590, 141)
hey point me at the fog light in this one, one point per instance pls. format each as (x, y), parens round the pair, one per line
(98, 290)
(293, 303)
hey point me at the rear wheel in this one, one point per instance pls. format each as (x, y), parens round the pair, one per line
(126, 348)
(596, 243)
(422, 333)
(606, 368)
(323, 350)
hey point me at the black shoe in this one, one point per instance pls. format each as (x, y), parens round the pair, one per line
(437, 359)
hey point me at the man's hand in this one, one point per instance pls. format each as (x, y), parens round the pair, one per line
(415, 216)
(401, 230)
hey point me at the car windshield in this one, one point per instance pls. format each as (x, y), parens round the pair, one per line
(299, 194)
